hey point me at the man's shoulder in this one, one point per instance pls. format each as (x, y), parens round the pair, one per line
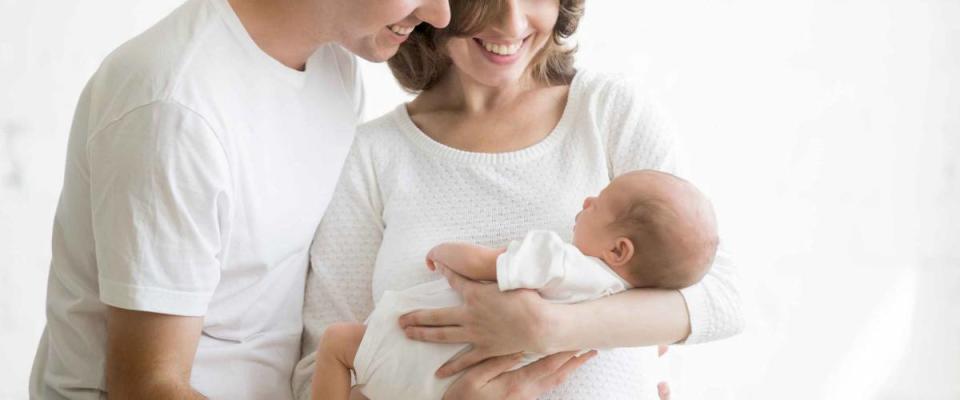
(151, 65)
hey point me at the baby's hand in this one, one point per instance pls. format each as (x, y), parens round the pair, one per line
(432, 257)
(473, 261)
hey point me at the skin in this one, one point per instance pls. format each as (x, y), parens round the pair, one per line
(150, 356)
(482, 107)
(471, 260)
(335, 354)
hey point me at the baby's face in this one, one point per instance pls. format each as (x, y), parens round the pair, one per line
(591, 232)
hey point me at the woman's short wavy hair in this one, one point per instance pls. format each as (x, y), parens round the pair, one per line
(421, 60)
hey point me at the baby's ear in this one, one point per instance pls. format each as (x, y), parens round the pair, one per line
(621, 253)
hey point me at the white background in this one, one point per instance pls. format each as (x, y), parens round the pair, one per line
(826, 131)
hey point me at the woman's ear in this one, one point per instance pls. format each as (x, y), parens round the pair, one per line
(620, 254)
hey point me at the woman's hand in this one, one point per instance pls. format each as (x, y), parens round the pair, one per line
(492, 380)
(495, 323)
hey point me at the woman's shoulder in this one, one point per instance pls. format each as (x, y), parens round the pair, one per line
(612, 90)
(383, 125)
(380, 131)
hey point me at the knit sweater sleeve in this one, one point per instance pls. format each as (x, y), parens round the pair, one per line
(342, 259)
(637, 136)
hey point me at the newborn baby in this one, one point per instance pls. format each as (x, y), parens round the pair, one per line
(646, 229)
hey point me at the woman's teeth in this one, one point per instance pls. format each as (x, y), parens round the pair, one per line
(400, 30)
(502, 49)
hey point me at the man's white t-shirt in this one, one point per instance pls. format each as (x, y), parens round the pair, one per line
(198, 168)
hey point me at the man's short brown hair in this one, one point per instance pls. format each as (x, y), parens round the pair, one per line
(421, 60)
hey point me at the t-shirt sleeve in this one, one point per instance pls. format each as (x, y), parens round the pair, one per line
(160, 199)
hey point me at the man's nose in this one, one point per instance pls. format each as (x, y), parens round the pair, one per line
(434, 12)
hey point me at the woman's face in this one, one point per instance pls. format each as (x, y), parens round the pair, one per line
(502, 52)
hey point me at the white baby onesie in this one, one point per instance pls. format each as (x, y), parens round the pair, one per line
(390, 366)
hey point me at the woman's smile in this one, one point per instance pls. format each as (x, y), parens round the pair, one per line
(502, 52)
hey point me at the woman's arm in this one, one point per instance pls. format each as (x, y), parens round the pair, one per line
(497, 323)
(342, 257)
(637, 135)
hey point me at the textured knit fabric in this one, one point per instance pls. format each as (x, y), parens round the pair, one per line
(400, 193)
(542, 260)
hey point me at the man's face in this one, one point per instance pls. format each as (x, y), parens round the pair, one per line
(374, 29)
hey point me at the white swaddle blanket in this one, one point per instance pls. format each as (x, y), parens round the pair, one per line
(388, 365)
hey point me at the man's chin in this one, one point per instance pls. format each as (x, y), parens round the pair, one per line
(372, 51)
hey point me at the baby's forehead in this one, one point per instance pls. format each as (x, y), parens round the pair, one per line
(635, 186)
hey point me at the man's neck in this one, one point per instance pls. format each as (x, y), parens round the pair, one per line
(287, 30)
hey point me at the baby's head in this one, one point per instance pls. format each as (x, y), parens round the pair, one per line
(652, 228)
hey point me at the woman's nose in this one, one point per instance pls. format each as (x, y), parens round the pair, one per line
(513, 21)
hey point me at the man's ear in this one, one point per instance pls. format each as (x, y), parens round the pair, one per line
(620, 254)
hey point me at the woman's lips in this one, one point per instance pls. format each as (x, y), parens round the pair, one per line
(501, 52)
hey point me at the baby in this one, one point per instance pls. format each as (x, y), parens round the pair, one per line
(646, 229)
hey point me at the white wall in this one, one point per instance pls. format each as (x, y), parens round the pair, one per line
(827, 132)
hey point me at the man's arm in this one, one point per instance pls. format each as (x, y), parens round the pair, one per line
(149, 355)
(473, 261)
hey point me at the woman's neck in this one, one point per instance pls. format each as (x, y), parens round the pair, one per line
(458, 92)
(287, 30)
(472, 117)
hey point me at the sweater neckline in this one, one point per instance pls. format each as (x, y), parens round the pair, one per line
(402, 117)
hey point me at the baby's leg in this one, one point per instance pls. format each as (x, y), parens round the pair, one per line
(338, 348)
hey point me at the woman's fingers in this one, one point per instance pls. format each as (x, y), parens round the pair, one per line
(490, 369)
(458, 282)
(437, 334)
(460, 362)
(449, 316)
(560, 375)
(545, 366)
(663, 390)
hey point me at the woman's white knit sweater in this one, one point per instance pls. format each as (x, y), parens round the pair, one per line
(401, 193)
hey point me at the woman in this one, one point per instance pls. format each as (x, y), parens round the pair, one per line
(504, 136)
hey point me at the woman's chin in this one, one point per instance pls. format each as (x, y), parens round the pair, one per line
(498, 79)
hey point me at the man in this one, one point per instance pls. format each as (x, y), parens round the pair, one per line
(202, 155)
